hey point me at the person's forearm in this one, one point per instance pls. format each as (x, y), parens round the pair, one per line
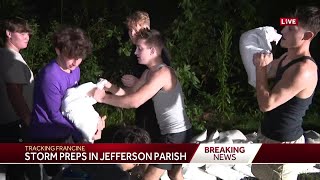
(120, 101)
(114, 89)
(130, 90)
(263, 92)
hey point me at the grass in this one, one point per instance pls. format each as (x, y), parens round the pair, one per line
(311, 121)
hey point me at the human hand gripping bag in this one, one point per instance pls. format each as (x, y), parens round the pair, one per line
(255, 41)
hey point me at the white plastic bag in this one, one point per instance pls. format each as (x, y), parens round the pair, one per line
(255, 41)
(77, 106)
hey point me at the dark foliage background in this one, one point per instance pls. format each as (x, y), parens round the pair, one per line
(202, 37)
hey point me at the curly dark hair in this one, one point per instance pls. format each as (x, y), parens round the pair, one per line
(131, 134)
(72, 42)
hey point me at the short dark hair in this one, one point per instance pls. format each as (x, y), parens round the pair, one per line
(131, 134)
(308, 18)
(72, 42)
(152, 38)
(15, 24)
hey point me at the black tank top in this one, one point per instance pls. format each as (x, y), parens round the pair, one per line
(284, 123)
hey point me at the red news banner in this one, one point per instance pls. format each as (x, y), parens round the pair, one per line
(159, 153)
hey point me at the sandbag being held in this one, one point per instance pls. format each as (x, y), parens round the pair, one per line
(255, 41)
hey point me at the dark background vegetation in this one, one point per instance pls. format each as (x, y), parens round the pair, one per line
(202, 36)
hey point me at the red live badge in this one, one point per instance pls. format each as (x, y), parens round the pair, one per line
(288, 21)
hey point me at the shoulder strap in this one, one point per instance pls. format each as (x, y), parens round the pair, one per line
(281, 70)
(300, 59)
(158, 67)
(279, 66)
(161, 65)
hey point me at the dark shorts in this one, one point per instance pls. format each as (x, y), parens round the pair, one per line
(174, 138)
(15, 132)
(177, 138)
(146, 119)
(12, 132)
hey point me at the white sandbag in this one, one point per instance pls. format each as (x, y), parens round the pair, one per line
(199, 138)
(77, 107)
(224, 171)
(311, 137)
(192, 172)
(244, 169)
(213, 136)
(253, 137)
(254, 41)
(233, 135)
(224, 140)
(75, 97)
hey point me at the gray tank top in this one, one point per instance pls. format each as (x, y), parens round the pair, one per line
(170, 112)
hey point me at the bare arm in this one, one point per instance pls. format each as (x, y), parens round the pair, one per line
(107, 86)
(133, 83)
(294, 81)
(157, 81)
(140, 82)
(118, 91)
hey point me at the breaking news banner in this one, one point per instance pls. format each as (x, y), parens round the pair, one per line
(158, 153)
